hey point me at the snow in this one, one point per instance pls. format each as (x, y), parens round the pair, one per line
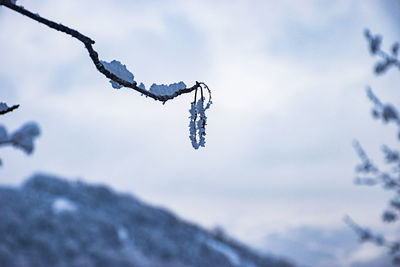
(163, 89)
(142, 86)
(23, 137)
(120, 70)
(63, 205)
(228, 252)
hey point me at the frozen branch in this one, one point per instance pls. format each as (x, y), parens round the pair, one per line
(88, 42)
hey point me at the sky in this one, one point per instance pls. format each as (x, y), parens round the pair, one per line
(288, 83)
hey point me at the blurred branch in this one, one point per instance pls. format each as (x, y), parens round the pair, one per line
(388, 60)
(88, 42)
(376, 176)
(370, 173)
(366, 235)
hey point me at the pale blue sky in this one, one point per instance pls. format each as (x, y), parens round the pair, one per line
(288, 84)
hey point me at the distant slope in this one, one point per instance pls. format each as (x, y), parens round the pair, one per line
(53, 222)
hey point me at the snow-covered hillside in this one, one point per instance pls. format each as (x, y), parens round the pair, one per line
(53, 222)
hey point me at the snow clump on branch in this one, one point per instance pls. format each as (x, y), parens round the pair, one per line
(119, 70)
(163, 89)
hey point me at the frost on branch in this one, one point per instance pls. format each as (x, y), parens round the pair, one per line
(120, 71)
(198, 120)
(163, 89)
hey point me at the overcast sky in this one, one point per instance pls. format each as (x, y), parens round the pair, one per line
(288, 80)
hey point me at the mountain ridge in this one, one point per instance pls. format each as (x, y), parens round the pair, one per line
(50, 221)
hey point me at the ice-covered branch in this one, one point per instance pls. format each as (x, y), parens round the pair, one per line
(88, 42)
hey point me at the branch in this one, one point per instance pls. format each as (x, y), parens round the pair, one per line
(88, 42)
(366, 235)
(375, 175)
(388, 60)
